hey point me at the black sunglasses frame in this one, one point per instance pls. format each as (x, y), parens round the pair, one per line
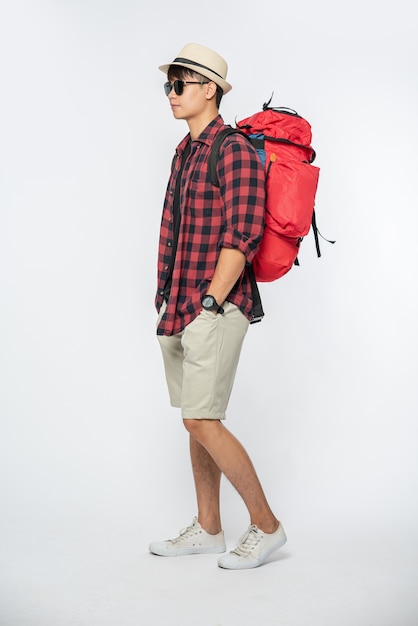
(178, 85)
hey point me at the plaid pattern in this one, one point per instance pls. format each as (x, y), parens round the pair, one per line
(230, 216)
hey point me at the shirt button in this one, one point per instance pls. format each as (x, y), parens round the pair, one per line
(171, 192)
(166, 267)
(169, 244)
(162, 292)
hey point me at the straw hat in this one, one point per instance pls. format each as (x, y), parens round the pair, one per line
(204, 61)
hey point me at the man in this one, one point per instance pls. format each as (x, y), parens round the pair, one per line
(205, 305)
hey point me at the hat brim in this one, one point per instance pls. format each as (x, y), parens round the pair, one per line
(223, 84)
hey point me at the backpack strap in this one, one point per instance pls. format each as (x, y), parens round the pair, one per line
(258, 312)
(215, 150)
(317, 232)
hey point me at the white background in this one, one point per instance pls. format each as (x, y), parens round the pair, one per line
(94, 462)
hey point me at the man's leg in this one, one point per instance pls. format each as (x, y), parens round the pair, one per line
(207, 478)
(230, 457)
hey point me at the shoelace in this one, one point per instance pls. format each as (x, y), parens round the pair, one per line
(248, 542)
(187, 532)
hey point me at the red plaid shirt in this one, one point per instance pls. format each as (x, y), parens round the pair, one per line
(230, 216)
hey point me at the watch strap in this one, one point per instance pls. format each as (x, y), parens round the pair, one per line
(214, 307)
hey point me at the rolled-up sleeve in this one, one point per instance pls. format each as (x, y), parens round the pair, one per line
(242, 187)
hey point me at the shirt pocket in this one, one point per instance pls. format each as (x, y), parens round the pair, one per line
(202, 198)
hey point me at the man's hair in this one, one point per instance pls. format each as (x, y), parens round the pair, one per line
(183, 73)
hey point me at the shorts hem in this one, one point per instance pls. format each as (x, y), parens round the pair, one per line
(187, 415)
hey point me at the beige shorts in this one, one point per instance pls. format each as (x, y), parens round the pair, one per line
(200, 362)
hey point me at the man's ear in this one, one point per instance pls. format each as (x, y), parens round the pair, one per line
(210, 90)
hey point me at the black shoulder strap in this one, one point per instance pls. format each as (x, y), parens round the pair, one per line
(214, 153)
(258, 312)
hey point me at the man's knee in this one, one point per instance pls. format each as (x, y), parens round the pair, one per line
(199, 428)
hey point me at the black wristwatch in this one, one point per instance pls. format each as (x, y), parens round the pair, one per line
(209, 304)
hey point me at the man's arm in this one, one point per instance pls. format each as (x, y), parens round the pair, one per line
(229, 267)
(244, 214)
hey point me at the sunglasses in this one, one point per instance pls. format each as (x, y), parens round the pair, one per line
(178, 85)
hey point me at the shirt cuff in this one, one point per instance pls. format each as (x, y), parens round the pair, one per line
(235, 239)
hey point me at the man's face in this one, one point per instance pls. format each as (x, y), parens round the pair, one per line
(193, 99)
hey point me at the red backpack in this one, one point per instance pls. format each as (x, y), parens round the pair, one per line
(282, 139)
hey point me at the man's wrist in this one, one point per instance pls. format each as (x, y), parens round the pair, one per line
(209, 304)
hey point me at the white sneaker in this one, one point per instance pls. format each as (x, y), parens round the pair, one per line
(192, 540)
(253, 548)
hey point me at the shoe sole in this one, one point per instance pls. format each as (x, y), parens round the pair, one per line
(186, 551)
(243, 564)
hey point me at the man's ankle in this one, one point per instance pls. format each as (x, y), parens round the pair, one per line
(212, 527)
(268, 526)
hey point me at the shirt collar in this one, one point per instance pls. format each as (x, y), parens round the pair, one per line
(209, 133)
(207, 136)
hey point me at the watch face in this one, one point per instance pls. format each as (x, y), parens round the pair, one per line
(207, 302)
